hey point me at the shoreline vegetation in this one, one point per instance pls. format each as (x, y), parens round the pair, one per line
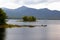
(18, 26)
(13, 26)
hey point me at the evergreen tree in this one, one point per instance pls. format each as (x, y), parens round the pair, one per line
(2, 17)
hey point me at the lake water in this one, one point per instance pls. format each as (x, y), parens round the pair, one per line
(50, 32)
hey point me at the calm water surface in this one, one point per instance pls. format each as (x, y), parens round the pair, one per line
(51, 32)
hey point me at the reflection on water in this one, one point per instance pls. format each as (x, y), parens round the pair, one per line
(26, 33)
(2, 33)
(51, 32)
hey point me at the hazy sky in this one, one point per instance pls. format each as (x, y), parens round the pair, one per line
(50, 4)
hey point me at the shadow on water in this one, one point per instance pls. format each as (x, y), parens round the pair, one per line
(2, 33)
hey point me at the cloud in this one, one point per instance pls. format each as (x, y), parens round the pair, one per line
(53, 1)
(33, 1)
(11, 5)
(37, 6)
(50, 4)
(27, 2)
(54, 6)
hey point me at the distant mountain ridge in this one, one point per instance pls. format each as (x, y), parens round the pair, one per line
(38, 13)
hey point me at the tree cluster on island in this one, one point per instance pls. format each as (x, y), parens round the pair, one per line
(29, 18)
